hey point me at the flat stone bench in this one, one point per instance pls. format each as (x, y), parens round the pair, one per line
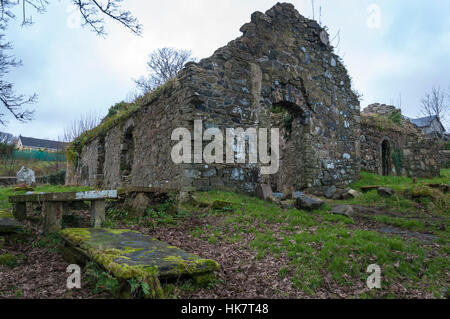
(52, 206)
(129, 254)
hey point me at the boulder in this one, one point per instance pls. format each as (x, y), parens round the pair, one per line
(26, 176)
(349, 194)
(264, 191)
(329, 193)
(339, 194)
(345, 210)
(308, 203)
(353, 193)
(386, 192)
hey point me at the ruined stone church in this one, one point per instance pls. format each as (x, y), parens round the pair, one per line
(281, 73)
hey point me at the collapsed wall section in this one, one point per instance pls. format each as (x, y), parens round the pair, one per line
(391, 145)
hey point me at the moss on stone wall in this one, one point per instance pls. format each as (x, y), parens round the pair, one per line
(397, 159)
(382, 122)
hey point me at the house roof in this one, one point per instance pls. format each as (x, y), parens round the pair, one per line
(36, 142)
(426, 121)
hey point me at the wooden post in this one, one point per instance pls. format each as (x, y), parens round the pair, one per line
(20, 211)
(53, 216)
(97, 213)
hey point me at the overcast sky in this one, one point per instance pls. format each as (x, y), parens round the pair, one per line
(391, 48)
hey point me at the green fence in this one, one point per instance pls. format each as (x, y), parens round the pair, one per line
(39, 156)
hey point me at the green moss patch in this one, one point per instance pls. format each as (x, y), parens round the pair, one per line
(8, 260)
(129, 255)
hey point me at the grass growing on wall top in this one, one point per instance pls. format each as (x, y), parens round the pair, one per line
(119, 113)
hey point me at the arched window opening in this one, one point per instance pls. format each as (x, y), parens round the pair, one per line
(385, 158)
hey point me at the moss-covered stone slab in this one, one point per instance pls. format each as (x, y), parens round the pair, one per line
(128, 254)
(8, 224)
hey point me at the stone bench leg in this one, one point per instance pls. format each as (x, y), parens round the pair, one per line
(97, 213)
(53, 212)
(20, 211)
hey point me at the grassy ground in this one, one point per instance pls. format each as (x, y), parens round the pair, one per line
(328, 250)
(324, 248)
(267, 251)
(41, 168)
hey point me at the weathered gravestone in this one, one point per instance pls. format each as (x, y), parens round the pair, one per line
(26, 176)
(264, 191)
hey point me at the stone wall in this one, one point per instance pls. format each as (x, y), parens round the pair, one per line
(445, 158)
(281, 73)
(407, 151)
(136, 151)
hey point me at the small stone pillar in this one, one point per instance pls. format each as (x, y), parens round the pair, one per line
(20, 211)
(97, 213)
(53, 212)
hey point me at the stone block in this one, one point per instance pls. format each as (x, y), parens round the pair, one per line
(53, 212)
(386, 192)
(98, 212)
(264, 191)
(345, 210)
(308, 203)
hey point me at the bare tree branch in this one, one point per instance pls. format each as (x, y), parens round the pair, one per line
(163, 65)
(434, 104)
(77, 127)
(91, 11)
(11, 101)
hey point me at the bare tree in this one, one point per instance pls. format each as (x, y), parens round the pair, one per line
(77, 127)
(7, 146)
(163, 65)
(434, 104)
(6, 138)
(14, 103)
(92, 12)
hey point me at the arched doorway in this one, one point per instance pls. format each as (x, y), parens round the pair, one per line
(386, 158)
(127, 155)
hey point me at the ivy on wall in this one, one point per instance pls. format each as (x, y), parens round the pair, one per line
(397, 158)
